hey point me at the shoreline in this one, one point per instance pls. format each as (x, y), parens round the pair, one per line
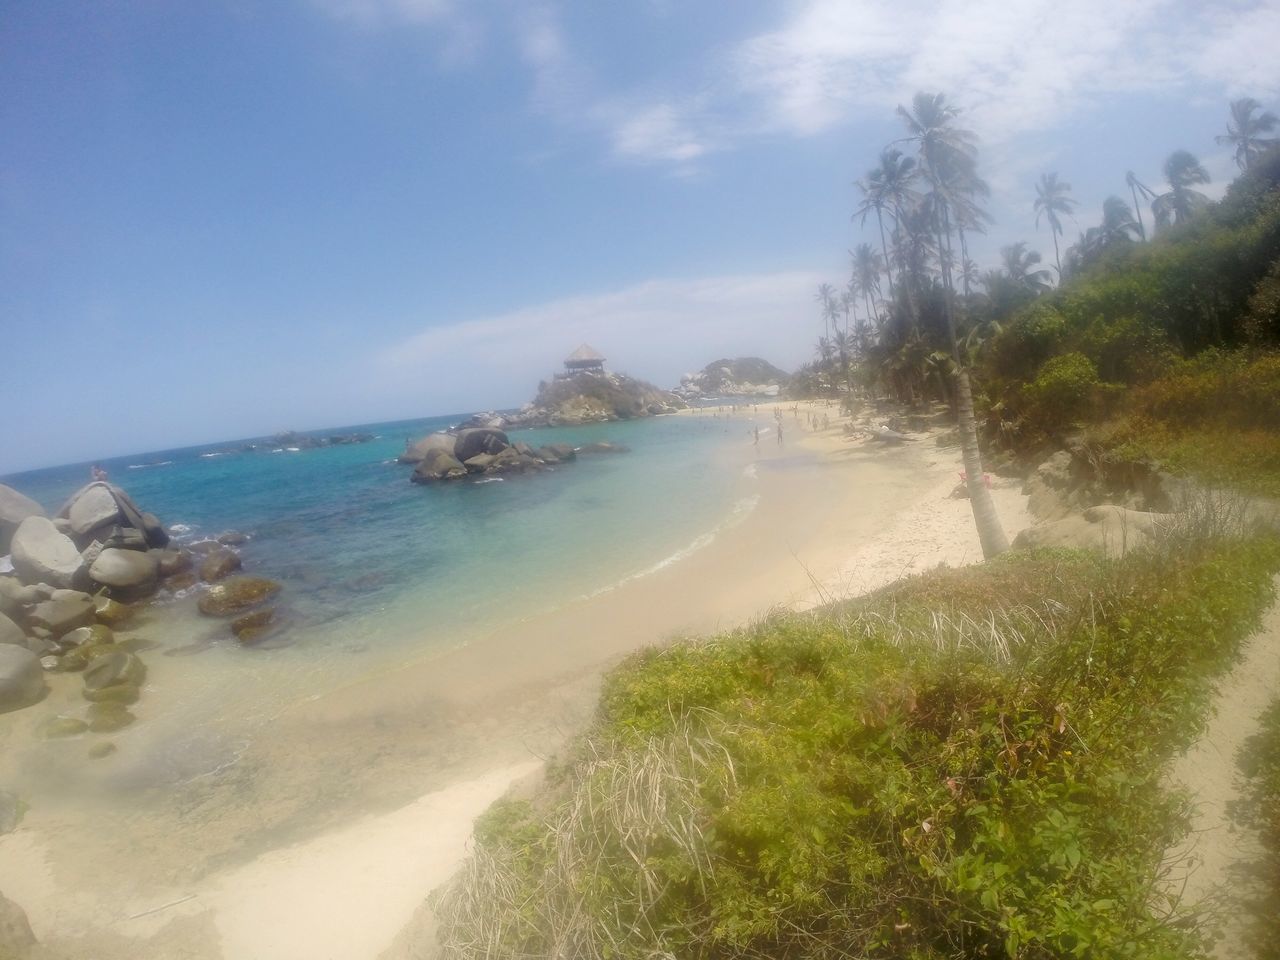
(835, 517)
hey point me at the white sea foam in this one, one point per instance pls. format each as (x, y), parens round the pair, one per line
(750, 471)
(178, 529)
(143, 466)
(491, 480)
(216, 453)
(293, 449)
(741, 510)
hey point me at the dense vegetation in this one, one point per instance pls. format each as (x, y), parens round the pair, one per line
(1135, 321)
(966, 764)
(1261, 762)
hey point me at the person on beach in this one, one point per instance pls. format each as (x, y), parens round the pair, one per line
(779, 433)
(98, 474)
(757, 436)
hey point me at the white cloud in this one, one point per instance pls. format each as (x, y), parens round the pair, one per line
(657, 330)
(657, 133)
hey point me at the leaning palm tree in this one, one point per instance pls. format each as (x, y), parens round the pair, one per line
(1052, 200)
(948, 161)
(1136, 186)
(1183, 171)
(1020, 267)
(867, 265)
(1244, 131)
(826, 296)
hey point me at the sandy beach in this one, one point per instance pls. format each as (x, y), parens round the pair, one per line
(324, 837)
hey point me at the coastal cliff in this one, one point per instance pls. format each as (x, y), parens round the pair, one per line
(740, 377)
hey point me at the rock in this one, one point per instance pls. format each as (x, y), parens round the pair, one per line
(561, 451)
(157, 536)
(252, 626)
(99, 750)
(10, 632)
(124, 569)
(521, 447)
(171, 562)
(16, 938)
(21, 677)
(109, 717)
(92, 507)
(438, 465)
(111, 612)
(1107, 529)
(219, 565)
(233, 538)
(603, 446)
(479, 440)
(80, 657)
(479, 463)
(14, 598)
(63, 612)
(181, 581)
(62, 525)
(204, 547)
(43, 555)
(236, 595)
(117, 667)
(417, 452)
(92, 552)
(96, 635)
(124, 693)
(11, 810)
(14, 508)
(57, 727)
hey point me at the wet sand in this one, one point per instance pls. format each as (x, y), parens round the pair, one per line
(323, 835)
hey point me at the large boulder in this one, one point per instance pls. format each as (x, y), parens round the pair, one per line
(94, 506)
(236, 595)
(1108, 529)
(64, 611)
(417, 452)
(10, 632)
(43, 555)
(124, 569)
(14, 508)
(479, 440)
(438, 465)
(21, 678)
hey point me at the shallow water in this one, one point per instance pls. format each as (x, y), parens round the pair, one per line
(377, 572)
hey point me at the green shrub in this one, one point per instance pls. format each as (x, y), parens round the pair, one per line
(967, 764)
(1063, 392)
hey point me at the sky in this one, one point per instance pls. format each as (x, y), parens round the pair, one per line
(225, 218)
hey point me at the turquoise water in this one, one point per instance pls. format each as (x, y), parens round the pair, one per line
(369, 559)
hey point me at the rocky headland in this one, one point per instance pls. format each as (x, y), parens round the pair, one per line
(740, 377)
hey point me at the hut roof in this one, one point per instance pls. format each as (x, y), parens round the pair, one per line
(583, 352)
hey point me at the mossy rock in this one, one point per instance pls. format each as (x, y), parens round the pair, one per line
(253, 626)
(100, 750)
(58, 727)
(116, 667)
(108, 717)
(236, 595)
(79, 658)
(110, 612)
(125, 693)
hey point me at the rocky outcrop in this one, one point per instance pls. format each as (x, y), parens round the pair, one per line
(438, 465)
(740, 377)
(477, 440)
(585, 398)
(41, 554)
(124, 569)
(417, 452)
(14, 508)
(1108, 529)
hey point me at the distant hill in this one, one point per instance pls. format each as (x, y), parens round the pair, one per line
(739, 377)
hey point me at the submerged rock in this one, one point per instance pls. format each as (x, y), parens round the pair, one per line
(109, 717)
(237, 595)
(219, 565)
(253, 626)
(124, 693)
(111, 612)
(99, 750)
(111, 669)
(21, 677)
(16, 938)
(55, 728)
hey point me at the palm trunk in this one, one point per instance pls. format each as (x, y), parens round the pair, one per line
(990, 531)
(1056, 257)
(1138, 210)
(885, 249)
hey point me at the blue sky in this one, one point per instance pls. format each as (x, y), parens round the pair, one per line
(221, 218)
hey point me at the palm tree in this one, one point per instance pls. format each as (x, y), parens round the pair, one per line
(888, 186)
(1136, 186)
(1052, 200)
(826, 295)
(1244, 131)
(1019, 265)
(1182, 170)
(1118, 227)
(867, 267)
(948, 160)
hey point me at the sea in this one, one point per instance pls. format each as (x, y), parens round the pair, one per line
(377, 571)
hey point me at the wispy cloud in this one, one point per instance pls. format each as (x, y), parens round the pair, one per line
(658, 330)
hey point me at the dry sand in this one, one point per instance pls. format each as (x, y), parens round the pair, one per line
(326, 833)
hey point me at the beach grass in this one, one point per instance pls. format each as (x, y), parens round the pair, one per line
(968, 763)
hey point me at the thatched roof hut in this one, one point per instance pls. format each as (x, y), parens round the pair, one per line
(584, 359)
